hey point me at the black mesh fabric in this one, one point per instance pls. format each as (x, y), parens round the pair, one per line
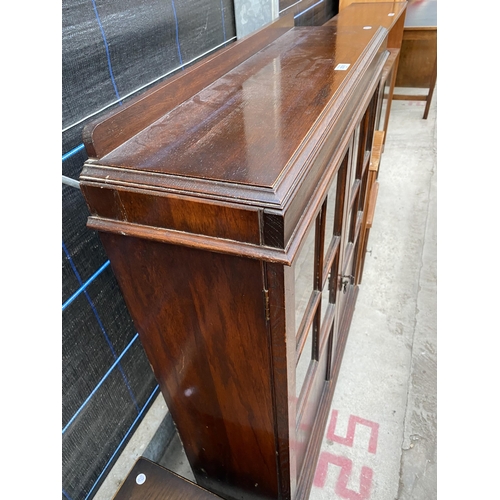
(316, 13)
(310, 12)
(112, 51)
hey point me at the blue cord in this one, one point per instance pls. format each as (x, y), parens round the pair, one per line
(73, 152)
(66, 495)
(177, 34)
(223, 20)
(309, 8)
(101, 326)
(107, 50)
(155, 390)
(113, 366)
(85, 285)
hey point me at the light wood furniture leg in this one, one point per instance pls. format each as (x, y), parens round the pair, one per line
(431, 90)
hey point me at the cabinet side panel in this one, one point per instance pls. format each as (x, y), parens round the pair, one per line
(180, 213)
(201, 319)
(280, 282)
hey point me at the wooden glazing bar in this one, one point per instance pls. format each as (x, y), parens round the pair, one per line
(307, 321)
(330, 256)
(313, 368)
(354, 195)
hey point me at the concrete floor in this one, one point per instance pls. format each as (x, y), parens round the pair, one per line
(380, 442)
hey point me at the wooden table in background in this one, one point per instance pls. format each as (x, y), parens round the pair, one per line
(418, 59)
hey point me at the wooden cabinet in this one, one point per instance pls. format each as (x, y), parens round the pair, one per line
(230, 200)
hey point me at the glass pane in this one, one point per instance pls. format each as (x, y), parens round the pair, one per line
(304, 362)
(330, 215)
(384, 102)
(325, 298)
(372, 114)
(304, 277)
(360, 148)
(353, 215)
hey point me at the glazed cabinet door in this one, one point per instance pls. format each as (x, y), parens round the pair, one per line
(316, 311)
(323, 277)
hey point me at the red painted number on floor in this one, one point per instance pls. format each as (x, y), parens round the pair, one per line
(341, 488)
(348, 440)
(345, 463)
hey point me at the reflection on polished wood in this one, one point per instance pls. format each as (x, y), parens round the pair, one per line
(218, 195)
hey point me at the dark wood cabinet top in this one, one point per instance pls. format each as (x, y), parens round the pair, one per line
(237, 149)
(248, 125)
